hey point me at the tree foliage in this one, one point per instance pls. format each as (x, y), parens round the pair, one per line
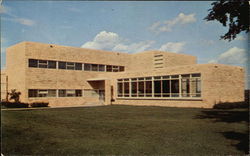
(231, 13)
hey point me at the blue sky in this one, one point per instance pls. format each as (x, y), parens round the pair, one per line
(122, 26)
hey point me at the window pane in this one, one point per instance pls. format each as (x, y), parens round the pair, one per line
(195, 87)
(166, 88)
(126, 89)
(141, 89)
(115, 69)
(185, 87)
(148, 88)
(42, 93)
(52, 64)
(196, 75)
(70, 65)
(121, 68)
(175, 76)
(109, 68)
(87, 67)
(157, 77)
(62, 93)
(51, 93)
(42, 64)
(94, 67)
(101, 67)
(166, 77)
(175, 88)
(78, 66)
(33, 63)
(70, 93)
(157, 88)
(134, 89)
(120, 89)
(32, 92)
(78, 93)
(62, 65)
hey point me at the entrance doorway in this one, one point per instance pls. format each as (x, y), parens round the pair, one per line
(101, 96)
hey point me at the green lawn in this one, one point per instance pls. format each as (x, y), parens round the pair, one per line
(125, 130)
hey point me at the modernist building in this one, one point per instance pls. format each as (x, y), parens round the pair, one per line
(69, 76)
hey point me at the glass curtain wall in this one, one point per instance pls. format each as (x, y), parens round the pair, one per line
(170, 86)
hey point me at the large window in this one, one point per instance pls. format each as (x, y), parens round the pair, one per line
(169, 86)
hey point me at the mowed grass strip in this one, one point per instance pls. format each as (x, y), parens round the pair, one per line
(125, 130)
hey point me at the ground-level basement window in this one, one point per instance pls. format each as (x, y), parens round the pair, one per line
(169, 86)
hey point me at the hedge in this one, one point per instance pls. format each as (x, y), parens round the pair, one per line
(14, 104)
(39, 104)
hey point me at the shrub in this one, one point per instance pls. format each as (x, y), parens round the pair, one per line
(14, 104)
(14, 95)
(39, 104)
(231, 105)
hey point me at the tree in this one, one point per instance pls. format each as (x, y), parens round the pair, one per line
(14, 95)
(231, 13)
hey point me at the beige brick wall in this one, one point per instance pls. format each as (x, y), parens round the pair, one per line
(15, 69)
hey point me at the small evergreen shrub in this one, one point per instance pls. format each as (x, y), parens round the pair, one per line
(14, 104)
(39, 104)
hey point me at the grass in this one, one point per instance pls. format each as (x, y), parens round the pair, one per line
(125, 130)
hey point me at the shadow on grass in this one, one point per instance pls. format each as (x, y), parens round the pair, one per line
(243, 139)
(230, 116)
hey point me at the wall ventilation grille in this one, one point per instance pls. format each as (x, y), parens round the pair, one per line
(158, 61)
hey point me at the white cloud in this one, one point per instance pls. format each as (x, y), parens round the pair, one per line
(240, 38)
(3, 9)
(113, 42)
(173, 47)
(166, 26)
(23, 21)
(12, 17)
(233, 55)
